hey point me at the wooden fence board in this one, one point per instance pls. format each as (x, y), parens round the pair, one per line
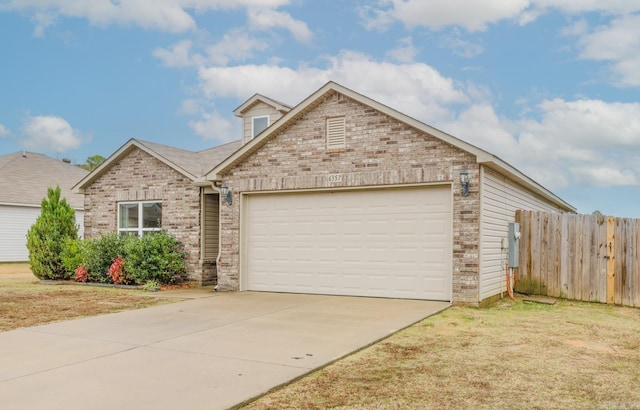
(581, 257)
(601, 283)
(636, 263)
(564, 257)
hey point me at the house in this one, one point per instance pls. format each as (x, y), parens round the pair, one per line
(145, 187)
(24, 180)
(338, 195)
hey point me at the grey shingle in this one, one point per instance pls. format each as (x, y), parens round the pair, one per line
(25, 179)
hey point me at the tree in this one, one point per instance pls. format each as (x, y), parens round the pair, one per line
(47, 236)
(93, 162)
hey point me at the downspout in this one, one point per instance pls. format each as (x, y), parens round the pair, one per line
(217, 189)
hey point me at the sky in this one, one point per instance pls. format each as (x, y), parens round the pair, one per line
(550, 86)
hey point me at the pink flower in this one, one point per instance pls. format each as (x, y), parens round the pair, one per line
(82, 275)
(116, 271)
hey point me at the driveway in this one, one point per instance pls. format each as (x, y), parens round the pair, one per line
(212, 352)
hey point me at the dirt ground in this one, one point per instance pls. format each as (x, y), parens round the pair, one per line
(509, 356)
(24, 301)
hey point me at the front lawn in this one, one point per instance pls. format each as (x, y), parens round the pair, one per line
(509, 356)
(25, 302)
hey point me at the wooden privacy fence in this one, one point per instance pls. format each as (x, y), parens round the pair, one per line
(590, 258)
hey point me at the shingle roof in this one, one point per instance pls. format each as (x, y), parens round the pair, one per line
(24, 179)
(192, 164)
(195, 163)
(482, 157)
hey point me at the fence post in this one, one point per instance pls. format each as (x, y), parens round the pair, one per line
(611, 260)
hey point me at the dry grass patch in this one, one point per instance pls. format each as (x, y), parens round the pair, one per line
(25, 302)
(512, 355)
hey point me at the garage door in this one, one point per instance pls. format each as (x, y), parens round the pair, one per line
(385, 243)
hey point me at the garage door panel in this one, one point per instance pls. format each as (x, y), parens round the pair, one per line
(388, 243)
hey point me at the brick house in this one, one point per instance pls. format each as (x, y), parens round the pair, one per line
(337, 195)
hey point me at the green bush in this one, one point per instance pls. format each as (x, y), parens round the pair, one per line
(100, 253)
(46, 237)
(73, 255)
(157, 256)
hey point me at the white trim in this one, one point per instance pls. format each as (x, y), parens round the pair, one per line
(482, 157)
(257, 117)
(140, 230)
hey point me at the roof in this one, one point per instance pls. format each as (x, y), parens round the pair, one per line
(279, 106)
(26, 176)
(192, 164)
(482, 157)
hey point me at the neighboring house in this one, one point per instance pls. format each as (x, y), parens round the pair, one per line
(337, 195)
(24, 180)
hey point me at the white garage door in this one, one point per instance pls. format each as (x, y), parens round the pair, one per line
(386, 242)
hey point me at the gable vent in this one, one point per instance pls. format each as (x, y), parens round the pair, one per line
(335, 132)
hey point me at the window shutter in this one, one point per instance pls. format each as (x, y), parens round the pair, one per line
(335, 132)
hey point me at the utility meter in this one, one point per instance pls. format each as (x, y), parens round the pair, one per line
(514, 244)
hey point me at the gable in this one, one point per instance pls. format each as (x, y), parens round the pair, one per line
(137, 171)
(299, 111)
(258, 110)
(372, 141)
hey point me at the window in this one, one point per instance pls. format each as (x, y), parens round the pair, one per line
(139, 218)
(335, 132)
(259, 124)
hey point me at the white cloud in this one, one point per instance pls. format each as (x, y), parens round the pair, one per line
(235, 46)
(265, 19)
(4, 132)
(374, 19)
(169, 15)
(436, 14)
(49, 133)
(459, 46)
(475, 15)
(213, 126)
(178, 55)
(585, 142)
(405, 52)
(617, 43)
(416, 89)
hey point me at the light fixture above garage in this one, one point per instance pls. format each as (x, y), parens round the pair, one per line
(464, 181)
(227, 195)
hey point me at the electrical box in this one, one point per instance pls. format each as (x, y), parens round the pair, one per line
(514, 244)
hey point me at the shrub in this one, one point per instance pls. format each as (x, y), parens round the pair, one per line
(116, 272)
(100, 253)
(157, 256)
(73, 255)
(47, 236)
(81, 274)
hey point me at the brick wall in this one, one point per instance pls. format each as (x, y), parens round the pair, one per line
(379, 151)
(141, 177)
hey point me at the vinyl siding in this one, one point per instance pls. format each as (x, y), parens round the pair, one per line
(259, 109)
(211, 231)
(15, 222)
(499, 200)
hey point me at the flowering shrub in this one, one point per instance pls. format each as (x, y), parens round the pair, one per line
(116, 271)
(82, 275)
(155, 257)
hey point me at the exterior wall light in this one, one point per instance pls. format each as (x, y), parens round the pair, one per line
(464, 181)
(227, 195)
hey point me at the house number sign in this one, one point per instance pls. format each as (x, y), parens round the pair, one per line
(334, 178)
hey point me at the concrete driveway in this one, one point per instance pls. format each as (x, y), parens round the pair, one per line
(208, 353)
